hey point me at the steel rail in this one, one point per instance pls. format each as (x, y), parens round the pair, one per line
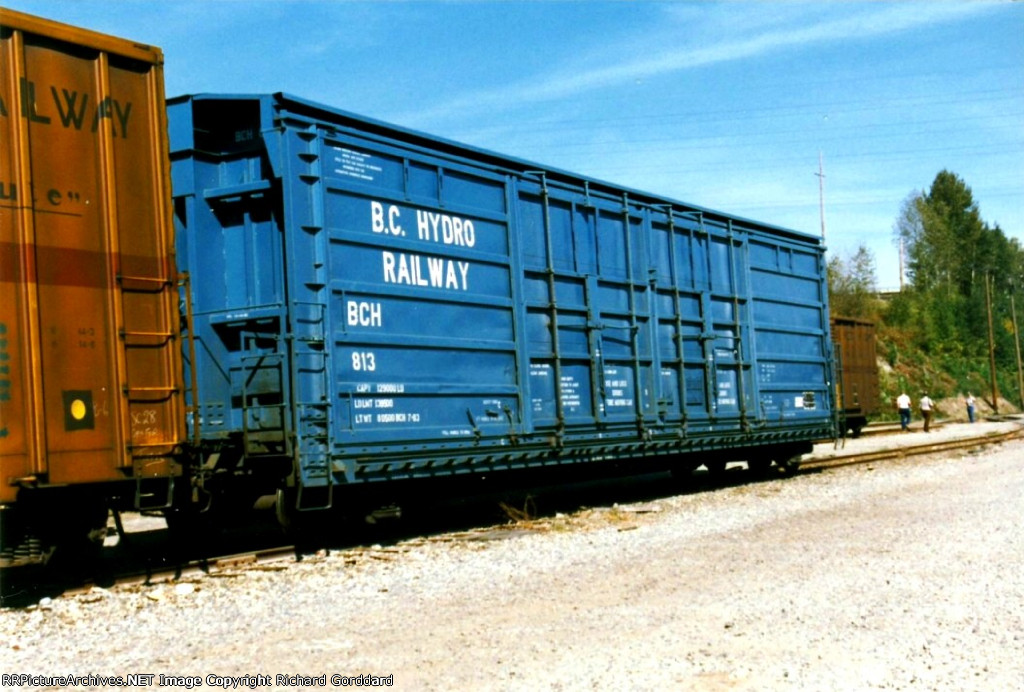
(898, 453)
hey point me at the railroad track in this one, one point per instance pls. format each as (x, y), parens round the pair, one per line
(910, 451)
(278, 557)
(892, 428)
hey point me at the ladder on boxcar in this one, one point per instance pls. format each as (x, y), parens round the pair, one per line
(311, 405)
(149, 389)
(285, 404)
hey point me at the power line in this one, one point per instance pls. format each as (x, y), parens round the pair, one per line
(967, 98)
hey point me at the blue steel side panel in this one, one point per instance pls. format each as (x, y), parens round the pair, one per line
(376, 303)
(228, 234)
(421, 301)
(791, 332)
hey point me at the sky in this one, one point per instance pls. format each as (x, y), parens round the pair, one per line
(735, 106)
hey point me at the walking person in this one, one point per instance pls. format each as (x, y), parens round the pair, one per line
(970, 407)
(926, 410)
(903, 406)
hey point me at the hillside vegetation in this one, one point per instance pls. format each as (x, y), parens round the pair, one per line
(933, 336)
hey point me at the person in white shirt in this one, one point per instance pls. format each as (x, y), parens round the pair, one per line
(926, 410)
(903, 406)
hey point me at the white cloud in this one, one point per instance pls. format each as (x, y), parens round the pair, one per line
(693, 39)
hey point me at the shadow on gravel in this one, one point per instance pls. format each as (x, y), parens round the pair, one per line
(505, 503)
(420, 510)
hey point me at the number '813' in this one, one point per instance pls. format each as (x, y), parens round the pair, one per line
(363, 361)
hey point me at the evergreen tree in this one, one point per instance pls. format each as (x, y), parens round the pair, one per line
(852, 285)
(951, 253)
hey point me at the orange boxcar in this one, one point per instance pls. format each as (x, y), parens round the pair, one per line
(90, 364)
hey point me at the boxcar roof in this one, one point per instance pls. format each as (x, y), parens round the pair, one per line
(347, 120)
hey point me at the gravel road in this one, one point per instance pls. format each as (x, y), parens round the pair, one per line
(902, 576)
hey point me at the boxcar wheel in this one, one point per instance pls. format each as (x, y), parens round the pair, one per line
(790, 465)
(715, 468)
(759, 466)
(77, 546)
(682, 472)
(284, 508)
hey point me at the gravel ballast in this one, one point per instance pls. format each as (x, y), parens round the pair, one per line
(904, 576)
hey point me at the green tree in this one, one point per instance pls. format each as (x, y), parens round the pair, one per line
(951, 255)
(852, 284)
(950, 251)
(944, 238)
(960, 233)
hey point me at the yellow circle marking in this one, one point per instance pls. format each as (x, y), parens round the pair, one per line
(78, 409)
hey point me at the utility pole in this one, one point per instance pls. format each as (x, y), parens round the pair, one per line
(821, 191)
(991, 344)
(1016, 343)
(902, 270)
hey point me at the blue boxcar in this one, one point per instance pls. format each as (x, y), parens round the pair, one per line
(370, 303)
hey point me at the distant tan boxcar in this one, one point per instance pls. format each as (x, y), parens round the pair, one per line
(90, 364)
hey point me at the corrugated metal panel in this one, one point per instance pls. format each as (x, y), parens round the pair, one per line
(400, 305)
(859, 389)
(90, 380)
